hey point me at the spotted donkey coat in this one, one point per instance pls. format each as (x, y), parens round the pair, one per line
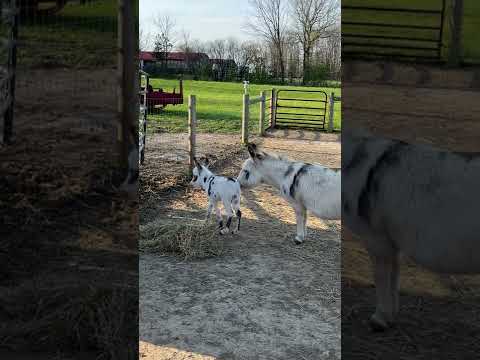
(412, 199)
(307, 187)
(219, 188)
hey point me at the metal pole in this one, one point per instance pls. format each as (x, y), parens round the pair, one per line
(273, 109)
(261, 130)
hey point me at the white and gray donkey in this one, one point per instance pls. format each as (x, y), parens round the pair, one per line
(305, 186)
(412, 199)
(219, 188)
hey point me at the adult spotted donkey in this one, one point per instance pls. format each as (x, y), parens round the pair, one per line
(307, 187)
(411, 199)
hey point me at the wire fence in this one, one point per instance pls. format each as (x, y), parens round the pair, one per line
(437, 31)
(187, 118)
(66, 63)
(66, 86)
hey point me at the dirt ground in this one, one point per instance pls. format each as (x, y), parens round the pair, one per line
(68, 239)
(264, 297)
(439, 313)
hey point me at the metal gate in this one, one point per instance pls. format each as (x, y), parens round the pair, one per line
(8, 47)
(301, 108)
(393, 32)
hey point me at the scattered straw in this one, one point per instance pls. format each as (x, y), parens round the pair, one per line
(187, 240)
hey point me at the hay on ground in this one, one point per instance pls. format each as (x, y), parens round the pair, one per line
(187, 240)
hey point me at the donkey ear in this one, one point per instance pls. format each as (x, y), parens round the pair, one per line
(197, 163)
(255, 154)
(252, 150)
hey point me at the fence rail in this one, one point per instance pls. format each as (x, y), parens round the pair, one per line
(190, 141)
(246, 114)
(422, 41)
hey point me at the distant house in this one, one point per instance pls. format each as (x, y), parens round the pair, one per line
(146, 57)
(175, 60)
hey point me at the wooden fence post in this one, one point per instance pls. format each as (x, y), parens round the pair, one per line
(245, 118)
(127, 70)
(261, 130)
(273, 109)
(331, 112)
(7, 113)
(455, 53)
(192, 123)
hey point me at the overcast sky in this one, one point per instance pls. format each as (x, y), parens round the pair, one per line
(204, 19)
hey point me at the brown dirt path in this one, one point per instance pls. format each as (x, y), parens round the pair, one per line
(264, 298)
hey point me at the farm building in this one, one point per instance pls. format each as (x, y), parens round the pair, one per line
(175, 60)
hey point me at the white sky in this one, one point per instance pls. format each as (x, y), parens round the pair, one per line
(204, 19)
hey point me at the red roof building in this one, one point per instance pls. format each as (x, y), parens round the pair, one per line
(174, 59)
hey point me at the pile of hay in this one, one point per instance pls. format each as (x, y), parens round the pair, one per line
(187, 240)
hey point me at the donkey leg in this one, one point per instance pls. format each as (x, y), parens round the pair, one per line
(239, 217)
(228, 210)
(386, 275)
(305, 223)
(238, 214)
(395, 284)
(210, 207)
(218, 214)
(301, 215)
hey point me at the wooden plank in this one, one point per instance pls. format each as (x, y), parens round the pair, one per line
(7, 131)
(192, 123)
(332, 112)
(455, 53)
(245, 118)
(127, 73)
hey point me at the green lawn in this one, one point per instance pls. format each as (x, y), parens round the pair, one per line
(219, 106)
(99, 8)
(77, 36)
(471, 27)
(471, 24)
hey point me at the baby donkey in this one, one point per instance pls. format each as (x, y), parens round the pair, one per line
(218, 188)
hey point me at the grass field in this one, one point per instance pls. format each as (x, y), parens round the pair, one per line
(78, 36)
(471, 24)
(219, 106)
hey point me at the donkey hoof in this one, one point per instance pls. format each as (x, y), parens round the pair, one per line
(298, 241)
(234, 231)
(224, 231)
(377, 324)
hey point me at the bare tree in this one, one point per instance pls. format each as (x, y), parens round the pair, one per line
(144, 40)
(217, 49)
(269, 20)
(314, 19)
(327, 52)
(233, 49)
(165, 37)
(292, 51)
(185, 41)
(246, 54)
